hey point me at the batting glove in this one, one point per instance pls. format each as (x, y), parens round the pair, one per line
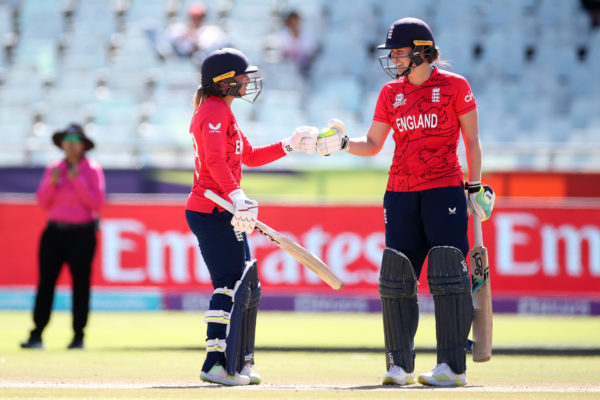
(246, 212)
(333, 138)
(481, 200)
(304, 139)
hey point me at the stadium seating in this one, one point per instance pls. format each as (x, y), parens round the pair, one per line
(530, 63)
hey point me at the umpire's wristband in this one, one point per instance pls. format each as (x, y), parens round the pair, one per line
(473, 187)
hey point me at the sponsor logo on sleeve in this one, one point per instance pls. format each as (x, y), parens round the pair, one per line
(214, 128)
(469, 97)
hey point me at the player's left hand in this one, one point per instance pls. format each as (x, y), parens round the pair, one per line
(304, 139)
(246, 212)
(333, 138)
(481, 200)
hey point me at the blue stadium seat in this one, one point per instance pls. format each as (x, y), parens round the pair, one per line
(57, 65)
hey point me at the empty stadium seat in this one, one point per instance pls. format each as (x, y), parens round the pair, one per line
(533, 75)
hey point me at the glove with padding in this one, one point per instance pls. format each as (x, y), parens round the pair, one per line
(333, 138)
(304, 139)
(481, 200)
(246, 212)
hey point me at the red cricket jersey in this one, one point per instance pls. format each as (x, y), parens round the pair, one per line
(426, 129)
(220, 149)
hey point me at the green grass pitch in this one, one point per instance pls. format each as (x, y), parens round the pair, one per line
(159, 355)
(355, 186)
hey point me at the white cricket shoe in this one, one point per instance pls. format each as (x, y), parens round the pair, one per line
(255, 378)
(217, 374)
(397, 376)
(442, 375)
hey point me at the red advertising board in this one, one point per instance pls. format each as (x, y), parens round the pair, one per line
(534, 249)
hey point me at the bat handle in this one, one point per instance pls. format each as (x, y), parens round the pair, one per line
(209, 194)
(477, 231)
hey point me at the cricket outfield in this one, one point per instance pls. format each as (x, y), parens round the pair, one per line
(158, 355)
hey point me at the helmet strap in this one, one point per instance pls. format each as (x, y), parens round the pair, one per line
(406, 71)
(417, 55)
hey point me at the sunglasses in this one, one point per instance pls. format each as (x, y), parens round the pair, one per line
(70, 137)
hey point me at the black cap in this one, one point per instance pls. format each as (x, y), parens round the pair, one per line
(73, 129)
(224, 63)
(405, 31)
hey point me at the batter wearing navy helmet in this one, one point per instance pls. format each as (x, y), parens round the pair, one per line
(425, 207)
(220, 149)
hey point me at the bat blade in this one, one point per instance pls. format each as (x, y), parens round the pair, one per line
(482, 303)
(302, 255)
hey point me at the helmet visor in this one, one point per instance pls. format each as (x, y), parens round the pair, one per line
(250, 85)
(389, 65)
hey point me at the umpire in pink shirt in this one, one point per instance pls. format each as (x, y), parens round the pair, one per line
(72, 192)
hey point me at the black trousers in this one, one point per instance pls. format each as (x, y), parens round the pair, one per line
(74, 245)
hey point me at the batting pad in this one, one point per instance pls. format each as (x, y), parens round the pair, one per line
(400, 308)
(246, 354)
(450, 285)
(235, 331)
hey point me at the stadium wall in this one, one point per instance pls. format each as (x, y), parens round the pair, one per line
(544, 257)
(148, 180)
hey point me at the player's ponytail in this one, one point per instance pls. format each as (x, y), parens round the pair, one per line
(203, 92)
(437, 58)
(431, 54)
(199, 97)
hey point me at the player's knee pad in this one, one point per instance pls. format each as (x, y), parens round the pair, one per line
(241, 299)
(398, 293)
(448, 272)
(450, 285)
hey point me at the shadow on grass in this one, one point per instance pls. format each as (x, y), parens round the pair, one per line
(512, 351)
(332, 387)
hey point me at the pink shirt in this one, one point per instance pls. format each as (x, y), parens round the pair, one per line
(74, 201)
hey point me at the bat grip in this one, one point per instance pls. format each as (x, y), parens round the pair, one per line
(477, 231)
(209, 194)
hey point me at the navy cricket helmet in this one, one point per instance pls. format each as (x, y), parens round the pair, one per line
(228, 72)
(408, 32)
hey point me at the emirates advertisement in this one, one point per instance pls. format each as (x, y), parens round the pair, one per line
(533, 250)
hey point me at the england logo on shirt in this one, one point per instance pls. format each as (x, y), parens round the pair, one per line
(435, 95)
(399, 101)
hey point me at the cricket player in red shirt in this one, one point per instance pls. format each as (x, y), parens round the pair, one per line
(220, 149)
(425, 207)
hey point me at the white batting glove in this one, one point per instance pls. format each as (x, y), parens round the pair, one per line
(333, 138)
(246, 212)
(338, 125)
(481, 200)
(304, 139)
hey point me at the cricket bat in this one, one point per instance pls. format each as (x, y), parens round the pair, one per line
(302, 255)
(482, 297)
